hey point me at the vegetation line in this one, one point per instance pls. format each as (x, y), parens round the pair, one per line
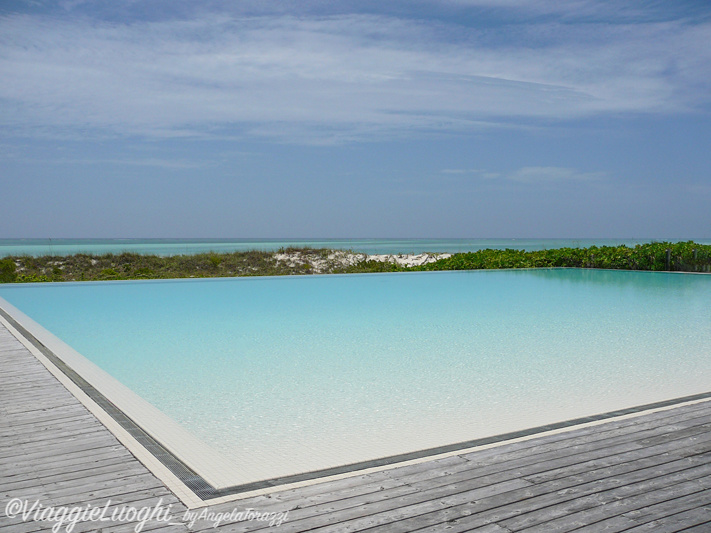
(661, 256)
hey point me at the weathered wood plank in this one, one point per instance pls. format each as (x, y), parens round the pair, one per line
(539, 496)
(648, 514)
(688, 492)
(61, 439)
(64, 460)
(30, 417)
(699, 517)
(595, 432)
(670, 485)
(113, 467)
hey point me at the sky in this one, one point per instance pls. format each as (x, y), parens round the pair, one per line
(355, 119)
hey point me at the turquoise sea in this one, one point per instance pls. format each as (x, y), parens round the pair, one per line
(40, 247)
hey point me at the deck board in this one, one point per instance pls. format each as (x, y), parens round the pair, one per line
(646, 473)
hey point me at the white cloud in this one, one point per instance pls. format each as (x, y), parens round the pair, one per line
(457, 171)
(478, 173)
(332, 79)
(608, 10)
(174, 164)
(533, 175)
(552, 174)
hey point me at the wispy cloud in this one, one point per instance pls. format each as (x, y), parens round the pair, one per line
(533, 175)
(634, 11)
(552, 174)
(334, 79)
(174, 164)
(471, 172)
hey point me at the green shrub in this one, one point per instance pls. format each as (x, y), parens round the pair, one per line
(7, 271)
(32, 278)
(144, 273)
(109, 273)
(685, 256)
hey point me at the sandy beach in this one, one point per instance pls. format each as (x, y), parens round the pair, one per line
(337, 259)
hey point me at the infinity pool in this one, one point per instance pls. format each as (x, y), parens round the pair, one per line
(284, 375)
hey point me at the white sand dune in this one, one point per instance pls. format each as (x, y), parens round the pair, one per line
(319, 264)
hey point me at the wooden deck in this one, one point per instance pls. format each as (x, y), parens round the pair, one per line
(647, 473)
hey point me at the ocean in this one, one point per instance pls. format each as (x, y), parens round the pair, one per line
(165, 247)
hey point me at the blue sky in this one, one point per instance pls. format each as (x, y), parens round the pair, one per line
(406, 118)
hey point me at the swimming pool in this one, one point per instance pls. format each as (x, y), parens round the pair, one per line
(290, 375)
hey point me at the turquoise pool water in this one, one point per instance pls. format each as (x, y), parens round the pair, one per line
(323, 370)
